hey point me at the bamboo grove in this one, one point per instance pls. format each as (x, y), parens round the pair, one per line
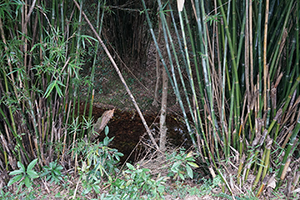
(43, 46)
(234, 67)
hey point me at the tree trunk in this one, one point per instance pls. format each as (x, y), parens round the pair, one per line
(164, 98)
(158, 66)
(163, 112)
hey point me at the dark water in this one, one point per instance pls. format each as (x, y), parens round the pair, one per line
(127, 129)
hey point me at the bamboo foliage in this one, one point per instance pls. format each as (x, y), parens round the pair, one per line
(39, 80)
(241, 60)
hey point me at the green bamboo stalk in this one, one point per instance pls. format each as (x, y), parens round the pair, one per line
(288, 149)
(276, 24)
(297, 40)
(53, 12)
(241, 165)
(260, 60)
(290, 71)
(269, 142)
(189, 67)
(196, 119)
(261, 188)
(197, 74)
(235, 79)
(206, 70)
(276, 52)
(285, 167)
(76, 91)
(232, 52)
(166, 32)
(178, 37)
(288, 98)
(99, 28)
(259, 173)
(228, 142)
(180, 75)
(234, 29)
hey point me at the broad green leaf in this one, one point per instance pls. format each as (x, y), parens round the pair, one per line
(129, 182)
(175, 166)
(59, 167)
(21, 166)
(45, 173)
(14, 179)
(190, 154)
(96, 188)
(31, 165)
(161, 189)
(109, 179)
(189, 171)
(130, 166)
(106, 130)
(27, 182)
(16, 172)
(181, 176)
(146, 170)
(32, 174)
(106, 141)
(193, 164)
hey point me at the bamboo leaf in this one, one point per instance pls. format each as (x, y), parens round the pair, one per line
(50, 88)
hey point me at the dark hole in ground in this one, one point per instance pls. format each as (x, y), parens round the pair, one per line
(127, 128)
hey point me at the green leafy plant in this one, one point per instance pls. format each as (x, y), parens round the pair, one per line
(4, 195)
(24, 175)
(99, 162)
(23, 194)
(100, 159)
(53, 172)
(89, 181)
(137, 183)
(182, 164)
(181, 190)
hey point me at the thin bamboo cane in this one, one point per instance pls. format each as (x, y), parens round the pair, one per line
(276, 52)
(297, 33)
(259, 173)
(288, 151)
(189, 69)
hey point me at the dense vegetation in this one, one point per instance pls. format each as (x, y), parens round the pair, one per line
(233, 66)
(242, 63)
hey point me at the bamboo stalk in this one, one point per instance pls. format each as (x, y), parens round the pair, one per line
(259, 173)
